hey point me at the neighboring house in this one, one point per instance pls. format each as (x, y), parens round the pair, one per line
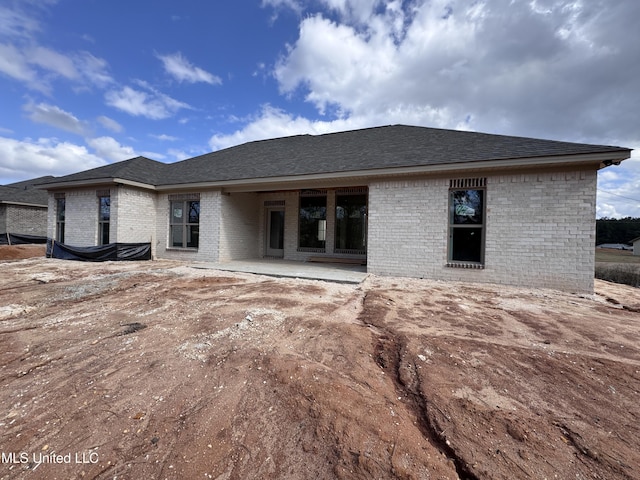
(636, 246)
(23, 208)
(616, 246)
(410, 201)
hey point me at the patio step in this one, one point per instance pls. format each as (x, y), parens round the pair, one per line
(349, 261)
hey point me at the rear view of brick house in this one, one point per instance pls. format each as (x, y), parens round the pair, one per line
(408, 201)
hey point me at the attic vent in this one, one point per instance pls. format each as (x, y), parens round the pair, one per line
(184, 196)
(313, 193)
(351, 190)
(468, 182)
(274, 203)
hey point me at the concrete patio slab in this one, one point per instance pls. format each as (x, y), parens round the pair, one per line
(330, 272)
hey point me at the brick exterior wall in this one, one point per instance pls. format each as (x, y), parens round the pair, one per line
(539, 227)
(239, 237)
(25, 220)
(51, 216)
(408, 227)
(540, 230)
(133, 215)
(81, 218)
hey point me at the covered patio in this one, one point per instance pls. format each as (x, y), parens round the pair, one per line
(330, 272)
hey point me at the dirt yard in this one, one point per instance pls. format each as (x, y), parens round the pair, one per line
(154, 370)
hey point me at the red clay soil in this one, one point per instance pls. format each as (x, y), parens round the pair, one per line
(20, 252)
(160, 370)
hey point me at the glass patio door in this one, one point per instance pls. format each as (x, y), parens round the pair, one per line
(275, 232)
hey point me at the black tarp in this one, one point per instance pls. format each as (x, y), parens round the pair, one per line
(19, 239)
(102, 253)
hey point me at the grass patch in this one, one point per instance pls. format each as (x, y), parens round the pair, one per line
(627, 273)
(616, 256)
(619, 266)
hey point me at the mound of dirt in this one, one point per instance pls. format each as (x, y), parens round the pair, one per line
(158, 370)
(20, 252)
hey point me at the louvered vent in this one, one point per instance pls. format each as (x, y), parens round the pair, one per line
(468, 182)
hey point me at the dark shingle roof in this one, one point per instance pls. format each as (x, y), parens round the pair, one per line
(138, 169)
(356, 150)
(367, 149)
(24, 192)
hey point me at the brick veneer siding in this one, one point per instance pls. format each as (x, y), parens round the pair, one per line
(26, 220)
(133, 215)
(239, 226)
(81, 218)
(51, 217)
(540, 230)
(539, 227)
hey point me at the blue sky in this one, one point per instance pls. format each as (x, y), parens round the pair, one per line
(89, 82)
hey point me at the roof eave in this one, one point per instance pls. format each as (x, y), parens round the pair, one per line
(95, 182)
(596, 160)
(22, 204)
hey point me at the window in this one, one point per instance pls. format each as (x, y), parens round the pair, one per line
(313, 220)
(466, 224)
(184, 224)
(60, 211)
(351, 222)
(104, 218)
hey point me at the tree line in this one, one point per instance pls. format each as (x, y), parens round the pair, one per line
(617, 230)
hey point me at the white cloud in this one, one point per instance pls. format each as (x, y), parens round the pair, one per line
(14, 64)
(164, 138)
(52, 61)
(182, 70)
(55, 117)
(109, 124)
(294, 5)
(24, 59)
(109, 148)
(38, 66)
(151, 104)
(14, 23)
(178, 154)
(45, 156)
(273, 122)
(93, 69)
(619, 189)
